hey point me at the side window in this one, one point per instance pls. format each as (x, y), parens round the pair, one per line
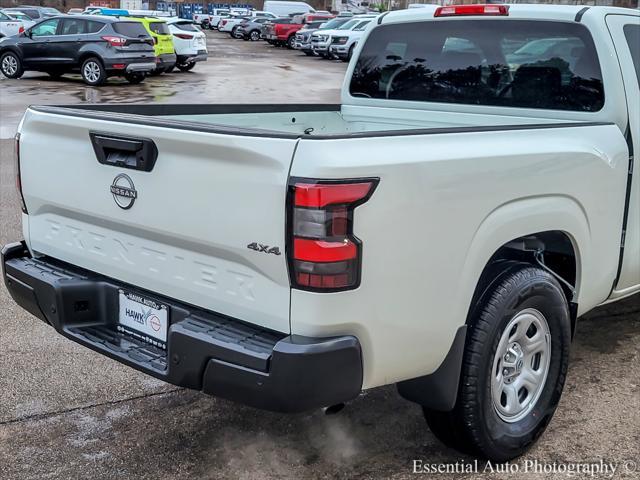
(4, 18)
(94, 27)
(46, 28)
(632, 34)
(73, 26)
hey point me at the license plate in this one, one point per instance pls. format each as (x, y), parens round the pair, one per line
(143, 318)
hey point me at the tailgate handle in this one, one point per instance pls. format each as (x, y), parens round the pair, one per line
(124, 151)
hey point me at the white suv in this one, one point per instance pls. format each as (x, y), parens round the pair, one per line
(321, 40)
(342, 45)
(190, 43)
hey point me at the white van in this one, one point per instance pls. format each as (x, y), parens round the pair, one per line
(285, 9)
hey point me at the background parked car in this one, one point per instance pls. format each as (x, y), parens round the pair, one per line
(250, 28)
(163, 42)
(282, 31)
(97, 47)
(189, 42)
(218, 15)
(342, 45)
(27, 21)
(303, 36)
(9, 26)
(35, 12)
(229, 24)
(75, 11)
(286, 9)
(320, 40)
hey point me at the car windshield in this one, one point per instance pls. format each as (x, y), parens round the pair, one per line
(348, 25)
(51, 11)
(361, 26)
(9, 15)
(32, 14)
(335, 23)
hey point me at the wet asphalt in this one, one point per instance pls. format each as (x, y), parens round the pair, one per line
(67, 412)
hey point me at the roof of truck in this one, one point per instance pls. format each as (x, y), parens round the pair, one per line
(522, 11)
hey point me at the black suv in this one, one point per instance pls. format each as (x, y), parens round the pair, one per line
(97, 47)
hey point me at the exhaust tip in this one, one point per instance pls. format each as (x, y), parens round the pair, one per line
(334, 409)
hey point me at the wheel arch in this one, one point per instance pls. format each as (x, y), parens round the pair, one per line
(509, 236)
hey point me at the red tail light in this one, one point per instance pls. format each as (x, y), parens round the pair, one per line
(16, 157)
(183, 36)
(324, 255)
(224, 22)
(115, 41)
(21, 30)
(466, 10)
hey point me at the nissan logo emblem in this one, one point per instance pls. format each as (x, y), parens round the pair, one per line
(124, 191)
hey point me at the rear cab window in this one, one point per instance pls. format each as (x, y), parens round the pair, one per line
(509, 63)
(130, 29)
(632, 34)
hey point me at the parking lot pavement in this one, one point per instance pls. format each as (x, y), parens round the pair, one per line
(66, 412)
(235, 72)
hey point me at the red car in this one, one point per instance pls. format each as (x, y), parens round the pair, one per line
(282, 31)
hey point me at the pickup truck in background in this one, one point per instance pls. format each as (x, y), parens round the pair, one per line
(282, 31)
(442, 229)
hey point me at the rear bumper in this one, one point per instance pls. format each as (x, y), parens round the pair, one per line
(132, 64)
(140, 67)
(200, 56)
(166, 60)
(205, 351)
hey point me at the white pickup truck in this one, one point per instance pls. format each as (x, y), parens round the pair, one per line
(442, 229)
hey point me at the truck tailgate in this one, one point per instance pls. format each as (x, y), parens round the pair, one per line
(208, 197)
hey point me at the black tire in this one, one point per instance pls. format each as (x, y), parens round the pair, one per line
(186, 66)
(233, 32)
(93, 72)
(11, 65)
(475, 426)
(135, 78)
(350, 54)
(291, 41)
(254, 35)
(309, 53)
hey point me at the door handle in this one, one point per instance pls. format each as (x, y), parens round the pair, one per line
(124, 151)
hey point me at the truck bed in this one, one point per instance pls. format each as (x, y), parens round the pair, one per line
(304, 120)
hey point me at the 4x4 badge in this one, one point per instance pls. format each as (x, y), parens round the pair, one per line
(124, 191)
(258, 247)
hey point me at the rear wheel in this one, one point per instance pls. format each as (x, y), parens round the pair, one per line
(309, 53)
(254, 36)
(185, 67)
(11, 65)
(291, 41)
(134, 78)
(234, 32)
(515, 364)
(93, 72)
